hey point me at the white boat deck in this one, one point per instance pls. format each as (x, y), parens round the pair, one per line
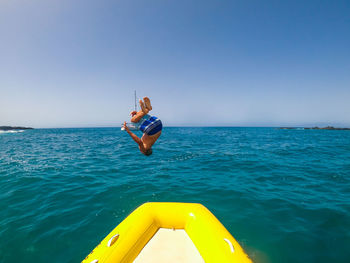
(169, 246)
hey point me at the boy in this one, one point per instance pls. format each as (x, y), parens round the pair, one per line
(151, 127)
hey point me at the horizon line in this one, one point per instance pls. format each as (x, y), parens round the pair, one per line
(201, 126)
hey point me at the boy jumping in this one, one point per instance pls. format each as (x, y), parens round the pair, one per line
(151, 127)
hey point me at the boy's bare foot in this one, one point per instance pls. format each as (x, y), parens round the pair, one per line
(143, 108)
(147, 103)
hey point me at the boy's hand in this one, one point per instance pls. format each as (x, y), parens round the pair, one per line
(125, 127)
(133, 113)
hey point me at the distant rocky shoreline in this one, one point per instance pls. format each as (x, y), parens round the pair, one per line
(12, 128)
(315, 128)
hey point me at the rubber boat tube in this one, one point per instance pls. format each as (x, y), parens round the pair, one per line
(213, 242)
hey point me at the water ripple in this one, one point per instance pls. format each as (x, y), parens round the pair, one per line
(277, 191)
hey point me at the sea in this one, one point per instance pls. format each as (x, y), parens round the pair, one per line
(283, 194)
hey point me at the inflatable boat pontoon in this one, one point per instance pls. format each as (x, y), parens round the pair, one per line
(167, 233)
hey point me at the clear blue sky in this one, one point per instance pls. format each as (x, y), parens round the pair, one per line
(67, 63)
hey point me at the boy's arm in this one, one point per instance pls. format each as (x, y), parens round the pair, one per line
(132, 135)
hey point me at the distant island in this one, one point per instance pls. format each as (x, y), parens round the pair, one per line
(315, 128)
(11, 128)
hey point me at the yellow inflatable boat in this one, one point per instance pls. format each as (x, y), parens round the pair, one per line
(169, 232)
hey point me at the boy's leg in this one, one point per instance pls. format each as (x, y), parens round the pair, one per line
(138, 116)
(147, 103)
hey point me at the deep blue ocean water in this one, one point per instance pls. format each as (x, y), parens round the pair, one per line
(283, 194)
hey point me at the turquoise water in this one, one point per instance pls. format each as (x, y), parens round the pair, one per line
(283, 194)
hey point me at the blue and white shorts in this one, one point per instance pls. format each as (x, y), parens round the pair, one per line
(150, 125)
